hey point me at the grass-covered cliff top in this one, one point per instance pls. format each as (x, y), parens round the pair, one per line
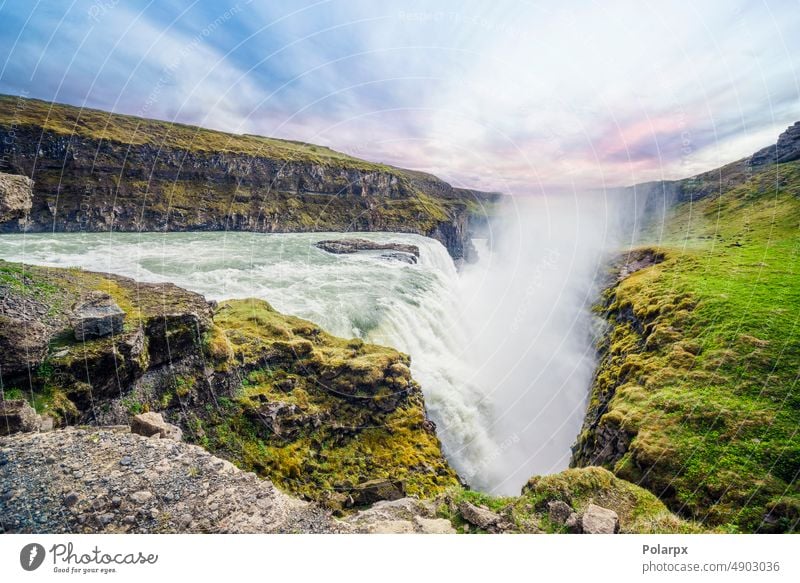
(704, 355)
(128, 129)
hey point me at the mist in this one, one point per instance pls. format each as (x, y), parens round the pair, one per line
(531, 333)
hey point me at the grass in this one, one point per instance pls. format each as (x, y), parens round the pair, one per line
(639, 511)
(347, 412)
(700, 369)
(125, 129)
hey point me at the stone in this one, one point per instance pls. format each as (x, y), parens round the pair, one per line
(599, 520)
(16, 196)
(97, 316)
(71, 499)
(392, 527)
(558, 511)
(23, 344)
(151, 424)
(17, 416)
(573, 523)
(126, 460)
(373, 491)
(434, 525)
(46, 423)
(141, 497)
(481, 517)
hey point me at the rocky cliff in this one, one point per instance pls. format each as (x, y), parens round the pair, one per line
(693, 396)
(97, 171)
(330, 419)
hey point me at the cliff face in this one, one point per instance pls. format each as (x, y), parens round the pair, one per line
(334, 420)
(693, 395)
(95, 171)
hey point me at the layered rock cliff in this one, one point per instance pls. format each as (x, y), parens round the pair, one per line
(96, 171)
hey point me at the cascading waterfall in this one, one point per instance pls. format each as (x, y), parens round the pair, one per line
(414, 308)
(503, 351)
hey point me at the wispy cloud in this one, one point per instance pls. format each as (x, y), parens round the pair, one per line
(507, 95)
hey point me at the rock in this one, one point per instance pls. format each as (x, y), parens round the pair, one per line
(392, 527)
(786, 149)
(374, 491)
(70, 499)
(573, 523)
(96, 316)
(434, 525)
(599, 520)
(23, 344)
(17, 416)
(481, 517)
(141, 497)
(151, 423)
(346, 246)
(558, 511)
(46, 423)
(16, 196)
(125, 461)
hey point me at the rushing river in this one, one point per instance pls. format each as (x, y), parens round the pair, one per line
(503, 391)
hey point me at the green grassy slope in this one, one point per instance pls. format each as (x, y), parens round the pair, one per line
(127, 129)
(704, 354)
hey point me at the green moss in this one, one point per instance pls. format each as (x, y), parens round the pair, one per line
(319, 414)
(705, 386)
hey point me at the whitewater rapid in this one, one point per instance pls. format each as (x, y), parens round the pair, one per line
(414, 308)
(504, 350)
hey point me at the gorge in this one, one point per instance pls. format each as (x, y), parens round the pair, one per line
(614, 324)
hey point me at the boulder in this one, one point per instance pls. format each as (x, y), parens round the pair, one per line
(376, 490)
(17, 416)
(573, 524)
(152, 423)
(23, 344)
(599, 520)
(16, 196)
(558, 511)
(96, 316)
(478, 515)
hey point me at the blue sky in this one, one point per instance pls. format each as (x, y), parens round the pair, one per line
(514, 96)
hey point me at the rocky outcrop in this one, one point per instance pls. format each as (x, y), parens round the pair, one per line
(786, 149)
(346, 246)
(96, 171)
(331, 419)
(96, 316)
(16, 197)
(17, 416)
(152, 424)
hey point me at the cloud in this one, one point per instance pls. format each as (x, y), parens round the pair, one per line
(509, 95)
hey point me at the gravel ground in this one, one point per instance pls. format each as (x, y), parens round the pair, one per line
(110, 480)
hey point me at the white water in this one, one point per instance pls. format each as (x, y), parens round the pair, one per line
(414, 308)
(503, 351)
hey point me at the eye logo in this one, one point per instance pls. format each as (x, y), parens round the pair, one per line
(31, 556)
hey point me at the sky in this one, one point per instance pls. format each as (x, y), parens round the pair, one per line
(521, 97)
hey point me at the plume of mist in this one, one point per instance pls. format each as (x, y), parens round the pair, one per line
(527, 303)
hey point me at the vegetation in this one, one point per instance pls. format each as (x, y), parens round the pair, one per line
(639, 511)
(699, 376)
(126, 129)
(320, 414)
